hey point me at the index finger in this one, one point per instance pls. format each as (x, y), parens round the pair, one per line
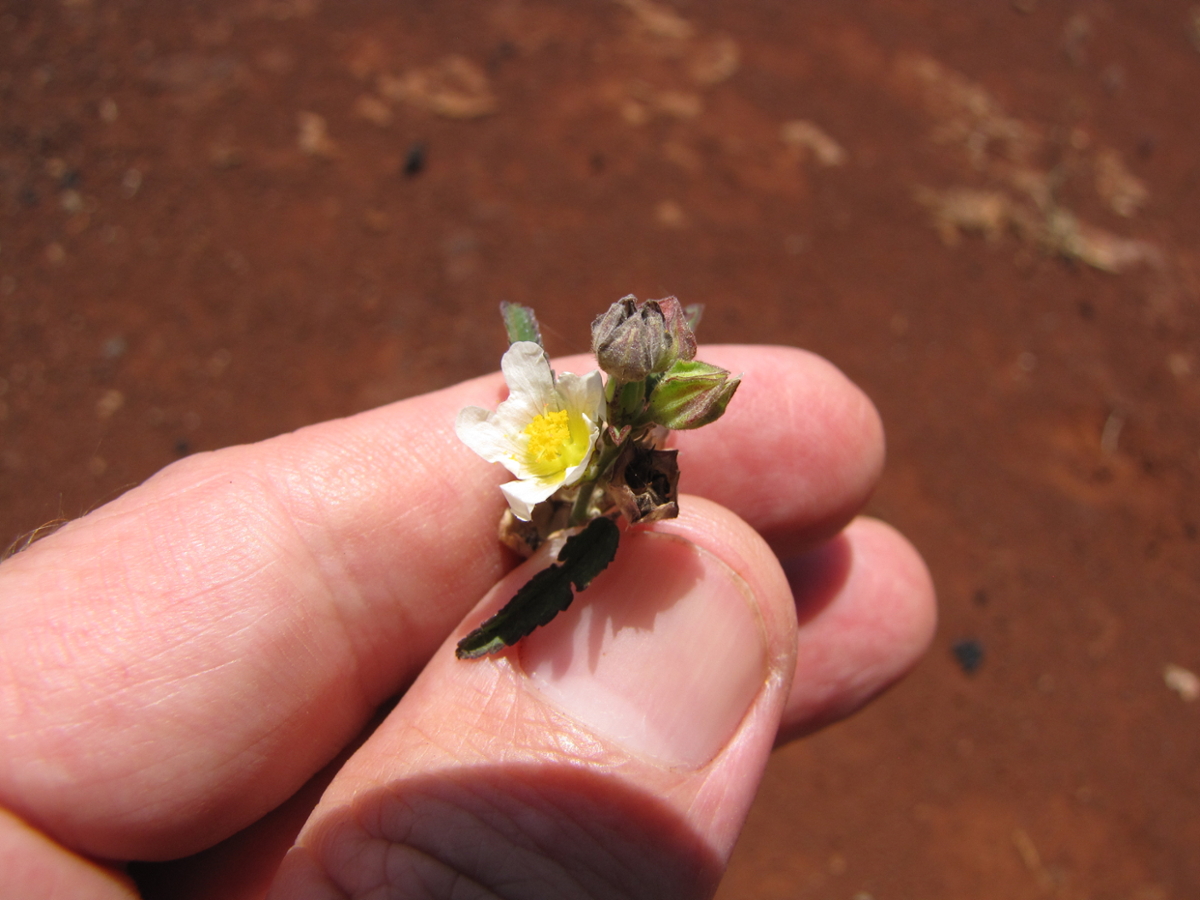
(182, 659)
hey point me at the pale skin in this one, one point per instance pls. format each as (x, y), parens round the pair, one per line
(177, 664)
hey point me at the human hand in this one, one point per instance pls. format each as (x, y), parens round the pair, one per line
(182, 661)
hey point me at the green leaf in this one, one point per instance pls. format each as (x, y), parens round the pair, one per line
(521, 323)
(584, 556)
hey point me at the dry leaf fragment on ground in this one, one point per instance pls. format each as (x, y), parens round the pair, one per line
(699, 61)
(968, 116)
(1123, 191)
(809, 138)
(1182, 681)
(992, 213)
(1003, 147)
(714, 61)
(371, 108)
(659, 21)
(962, 210)
(642, 100)
(1065, 234)
(455, 88)
(314, 138)
(1019, 196)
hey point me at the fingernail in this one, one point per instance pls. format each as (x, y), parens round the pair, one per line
(663, 653)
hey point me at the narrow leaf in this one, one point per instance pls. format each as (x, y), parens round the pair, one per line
(584, 556)
(694, 312)
(521, 323)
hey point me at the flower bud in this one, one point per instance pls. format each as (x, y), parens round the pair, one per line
(632, 340)
(692, 394)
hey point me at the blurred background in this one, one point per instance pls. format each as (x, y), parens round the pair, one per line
(223, 220)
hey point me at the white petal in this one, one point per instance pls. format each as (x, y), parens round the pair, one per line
(523, 496)
(583, 393)
(575, 472)
(529, 378)
(514, 414)
(499, 436)
(475, 429)
(478, 429)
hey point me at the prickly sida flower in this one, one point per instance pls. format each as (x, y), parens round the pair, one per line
(544, 433)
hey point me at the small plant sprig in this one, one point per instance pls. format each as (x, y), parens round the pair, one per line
(588, 450)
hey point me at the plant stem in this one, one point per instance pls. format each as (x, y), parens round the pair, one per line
(579, 512)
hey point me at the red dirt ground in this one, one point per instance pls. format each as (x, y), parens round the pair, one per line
(224, 220)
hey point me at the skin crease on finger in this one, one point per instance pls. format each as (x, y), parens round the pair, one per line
(206, 642)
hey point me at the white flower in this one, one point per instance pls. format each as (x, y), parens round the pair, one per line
(544, 433)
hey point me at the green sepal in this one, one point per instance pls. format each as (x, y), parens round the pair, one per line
(691, 394)
(631, 402)
(584, 556)
(521, 323)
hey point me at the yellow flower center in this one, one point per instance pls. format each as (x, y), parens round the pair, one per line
(547, 434)
(558, 440)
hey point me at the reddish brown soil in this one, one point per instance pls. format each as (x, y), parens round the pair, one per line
(188, 261)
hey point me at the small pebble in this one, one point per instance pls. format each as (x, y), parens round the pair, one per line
(969, 654)
(414, 160)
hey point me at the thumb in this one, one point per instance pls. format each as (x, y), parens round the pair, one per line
(613, 753)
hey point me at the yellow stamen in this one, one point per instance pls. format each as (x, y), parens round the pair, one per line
(549, 434)
(557, 441)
